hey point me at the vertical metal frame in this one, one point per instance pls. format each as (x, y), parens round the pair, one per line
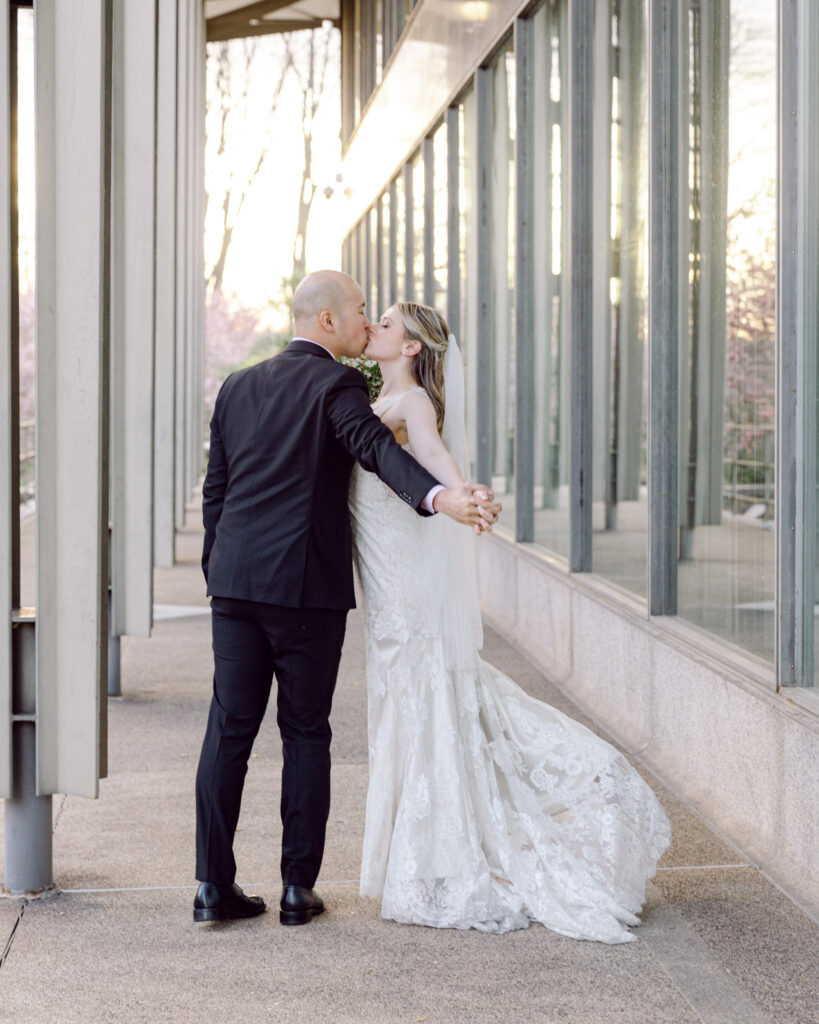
(72, 52)
(453, 222)
(393, 244)
(409, 234)
(796, 326)
(367, 283)
(485, 325)
(579, 261)
(9, 419)
(665, 117)
(524, 282)
(347, 69)
(428, 156)
(380, 297)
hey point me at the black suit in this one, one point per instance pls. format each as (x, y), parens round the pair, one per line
(277, 560)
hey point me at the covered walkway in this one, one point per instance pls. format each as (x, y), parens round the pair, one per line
(719, 944)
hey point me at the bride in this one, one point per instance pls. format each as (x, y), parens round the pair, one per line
(486, 808)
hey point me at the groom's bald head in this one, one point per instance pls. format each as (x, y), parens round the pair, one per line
(325, 289)
(328, 307)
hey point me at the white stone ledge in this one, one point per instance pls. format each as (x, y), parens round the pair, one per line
(703, 716)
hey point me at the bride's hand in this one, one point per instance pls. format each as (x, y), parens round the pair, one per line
(470, 504)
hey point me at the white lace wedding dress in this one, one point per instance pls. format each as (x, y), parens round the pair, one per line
(486, 808)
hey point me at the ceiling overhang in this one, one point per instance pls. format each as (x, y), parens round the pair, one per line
(232, 19)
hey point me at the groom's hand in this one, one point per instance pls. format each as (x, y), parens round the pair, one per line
(471, 504)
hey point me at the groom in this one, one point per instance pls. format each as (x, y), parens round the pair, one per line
(277, 559)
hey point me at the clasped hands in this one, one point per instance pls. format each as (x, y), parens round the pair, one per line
(471, 504)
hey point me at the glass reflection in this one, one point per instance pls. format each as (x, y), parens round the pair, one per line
(503, 268)
(620, 512)
(551, 496)
(726, 579)
(440, 231)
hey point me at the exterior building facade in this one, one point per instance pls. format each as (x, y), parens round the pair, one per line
(613, 204)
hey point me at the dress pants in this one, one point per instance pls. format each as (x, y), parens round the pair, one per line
(251, 643)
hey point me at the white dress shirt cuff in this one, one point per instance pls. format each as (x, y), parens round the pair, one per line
(426, 504)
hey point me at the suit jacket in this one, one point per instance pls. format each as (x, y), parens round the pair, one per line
(284, 436)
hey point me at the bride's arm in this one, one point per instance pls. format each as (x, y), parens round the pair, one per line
(418, 413)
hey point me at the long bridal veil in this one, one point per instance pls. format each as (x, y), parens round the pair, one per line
(452, 580)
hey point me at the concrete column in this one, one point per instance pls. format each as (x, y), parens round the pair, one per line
(72, 48)
(183, 259)
(9, 420)
(166, 285)
(132, 303)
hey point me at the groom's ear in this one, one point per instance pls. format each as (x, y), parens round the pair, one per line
(326, 319)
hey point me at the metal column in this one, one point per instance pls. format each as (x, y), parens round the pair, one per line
(797, 251)
(485, 325)
(663, 320)
(580, 262)
(524, 283)
(28, 838)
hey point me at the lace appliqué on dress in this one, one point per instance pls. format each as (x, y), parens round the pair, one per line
(486, 808)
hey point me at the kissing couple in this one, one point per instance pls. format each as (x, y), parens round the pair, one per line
(486, 808)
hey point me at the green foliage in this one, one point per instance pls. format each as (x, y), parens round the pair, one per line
(268, 344)
(371, 371)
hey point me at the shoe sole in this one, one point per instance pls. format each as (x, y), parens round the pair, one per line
(298, 916)
(203, 914)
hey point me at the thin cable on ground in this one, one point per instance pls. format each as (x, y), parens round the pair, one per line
(13, 932)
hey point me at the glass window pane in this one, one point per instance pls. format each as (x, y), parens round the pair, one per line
(26, 292)
(371, 293)
(726, 580)
(418, 228)
(620, 513)
(384, 243)
(468, 253)
(551, 497)
(440, 204)
(400, 214)
(503, 242)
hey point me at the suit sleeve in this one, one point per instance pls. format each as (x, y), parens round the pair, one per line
(213, 489)
(367, 439)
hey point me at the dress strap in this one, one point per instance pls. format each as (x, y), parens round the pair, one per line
(388, 403)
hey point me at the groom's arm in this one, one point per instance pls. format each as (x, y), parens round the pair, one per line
(370, 442)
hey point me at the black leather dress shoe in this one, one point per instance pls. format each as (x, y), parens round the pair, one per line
(299, 905)
(224, 903)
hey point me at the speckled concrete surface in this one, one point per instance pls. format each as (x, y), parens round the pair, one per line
(128, 952)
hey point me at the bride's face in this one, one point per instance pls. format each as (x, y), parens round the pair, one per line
(387, 337)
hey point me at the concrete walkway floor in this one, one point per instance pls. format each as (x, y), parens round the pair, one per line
(718, 945)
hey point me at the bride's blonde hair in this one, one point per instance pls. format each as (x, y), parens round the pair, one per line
(425, 324)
